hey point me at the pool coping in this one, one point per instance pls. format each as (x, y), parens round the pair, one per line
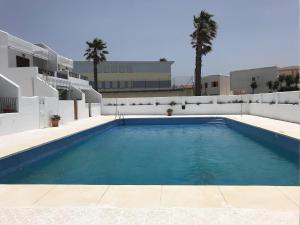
(139, 196)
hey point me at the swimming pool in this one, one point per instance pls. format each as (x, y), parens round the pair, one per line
(169, 151)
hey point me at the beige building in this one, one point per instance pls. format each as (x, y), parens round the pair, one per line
(215, 85)
(289, 70)
(128, 75)
(241, 80)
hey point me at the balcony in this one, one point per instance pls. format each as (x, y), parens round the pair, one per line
(75, 75)
(62, 74)
(46, 72)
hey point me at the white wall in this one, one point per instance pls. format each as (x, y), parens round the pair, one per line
(35, 113)
(41, 88)
(83, 109)
(96, 109)
(241, 80)
(193, 105)
(8, 88)
(28, 81)
(274, 105)
(66, 111)
(23, 76)
(26, 119)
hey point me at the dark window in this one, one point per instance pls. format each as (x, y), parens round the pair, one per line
(165, 83)
(253, 78)
(22, 62)
(205, 85)
(214, 84)
(138, 84)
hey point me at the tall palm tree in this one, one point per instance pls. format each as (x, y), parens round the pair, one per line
(205, 31)
(96, 52)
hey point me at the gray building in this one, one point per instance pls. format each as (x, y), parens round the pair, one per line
(128, 75)
(241, 80)
(215, 85)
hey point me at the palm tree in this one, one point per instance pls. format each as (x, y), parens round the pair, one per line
(253, 85)
(269, 84)
(96, 52)
(205, 31)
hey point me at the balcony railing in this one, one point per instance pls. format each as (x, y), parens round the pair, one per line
(84, 77)
(8, 105)
(75, 75)
(46, 72)
(62, 74)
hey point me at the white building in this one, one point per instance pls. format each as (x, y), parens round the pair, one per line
(36, 83)
(215, 85)
(40, 71)
(241, 80)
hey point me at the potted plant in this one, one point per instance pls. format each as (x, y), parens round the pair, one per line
(169, 112)
(55, 120)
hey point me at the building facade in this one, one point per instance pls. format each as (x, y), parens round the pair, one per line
(215, 85)
(290, 70)
(41, 71)
(128, 75)
(240, 81)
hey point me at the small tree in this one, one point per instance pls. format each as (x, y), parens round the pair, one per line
(289, 80)
(269, 84)
(275, 85)
(253, 86)
(296, 79)
(281, 79)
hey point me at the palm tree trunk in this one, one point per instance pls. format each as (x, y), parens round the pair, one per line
(198, 68)
(95, 76)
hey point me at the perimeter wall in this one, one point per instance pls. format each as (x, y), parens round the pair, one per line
(278, 105)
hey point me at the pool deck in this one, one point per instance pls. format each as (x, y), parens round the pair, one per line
(138, 204)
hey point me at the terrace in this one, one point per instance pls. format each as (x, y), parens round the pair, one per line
(250, 204)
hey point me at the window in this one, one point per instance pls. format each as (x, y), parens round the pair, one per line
(205, 85)
(253, 78)
(214, 84)
(22, 62)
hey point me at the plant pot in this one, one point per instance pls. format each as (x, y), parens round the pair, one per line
(169, 113)
(55, 123)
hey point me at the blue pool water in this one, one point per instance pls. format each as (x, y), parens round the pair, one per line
(195, 151)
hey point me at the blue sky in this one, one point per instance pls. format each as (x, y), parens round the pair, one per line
(252, 33)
